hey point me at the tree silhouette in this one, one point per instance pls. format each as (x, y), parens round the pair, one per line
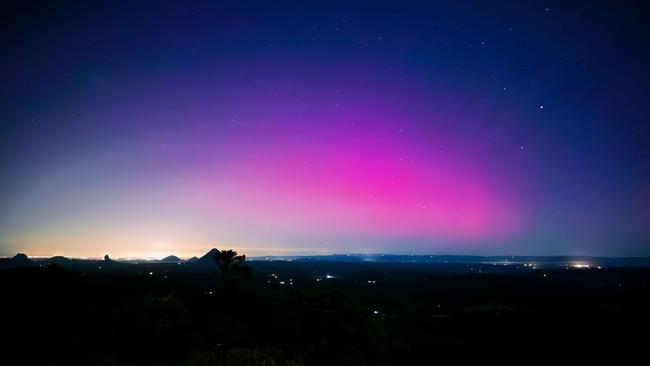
(231, 266)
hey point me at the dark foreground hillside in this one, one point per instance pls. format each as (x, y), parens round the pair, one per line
(311, 313)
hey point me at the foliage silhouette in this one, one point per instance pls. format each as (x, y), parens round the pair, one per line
(231, 266)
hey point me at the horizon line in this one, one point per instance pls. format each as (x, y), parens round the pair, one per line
(152, 258)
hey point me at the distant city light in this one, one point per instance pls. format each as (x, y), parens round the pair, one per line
(329, 276)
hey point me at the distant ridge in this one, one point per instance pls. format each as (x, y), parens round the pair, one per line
(208, 258)
(546, 261)
(19, 260)
(59, 260)
(171, 258)
(22, 259)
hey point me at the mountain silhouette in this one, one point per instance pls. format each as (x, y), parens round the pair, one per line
(208, 258)
(171, 258)
(59, 260)
(22, 259)
(193, 259)
(19, 260)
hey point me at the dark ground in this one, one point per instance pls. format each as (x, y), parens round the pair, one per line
(175, 314)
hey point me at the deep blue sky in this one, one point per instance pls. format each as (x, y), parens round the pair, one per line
(144, 128)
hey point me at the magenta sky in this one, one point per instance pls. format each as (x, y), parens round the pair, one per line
(443, 129)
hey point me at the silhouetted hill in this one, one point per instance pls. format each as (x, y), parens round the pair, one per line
(193, 259)
(19, 260)
(171, 258)
(59, 260)
(208, 258)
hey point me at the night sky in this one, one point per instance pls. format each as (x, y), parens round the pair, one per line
(143, 129)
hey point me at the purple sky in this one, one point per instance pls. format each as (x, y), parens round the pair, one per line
(153, 130)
